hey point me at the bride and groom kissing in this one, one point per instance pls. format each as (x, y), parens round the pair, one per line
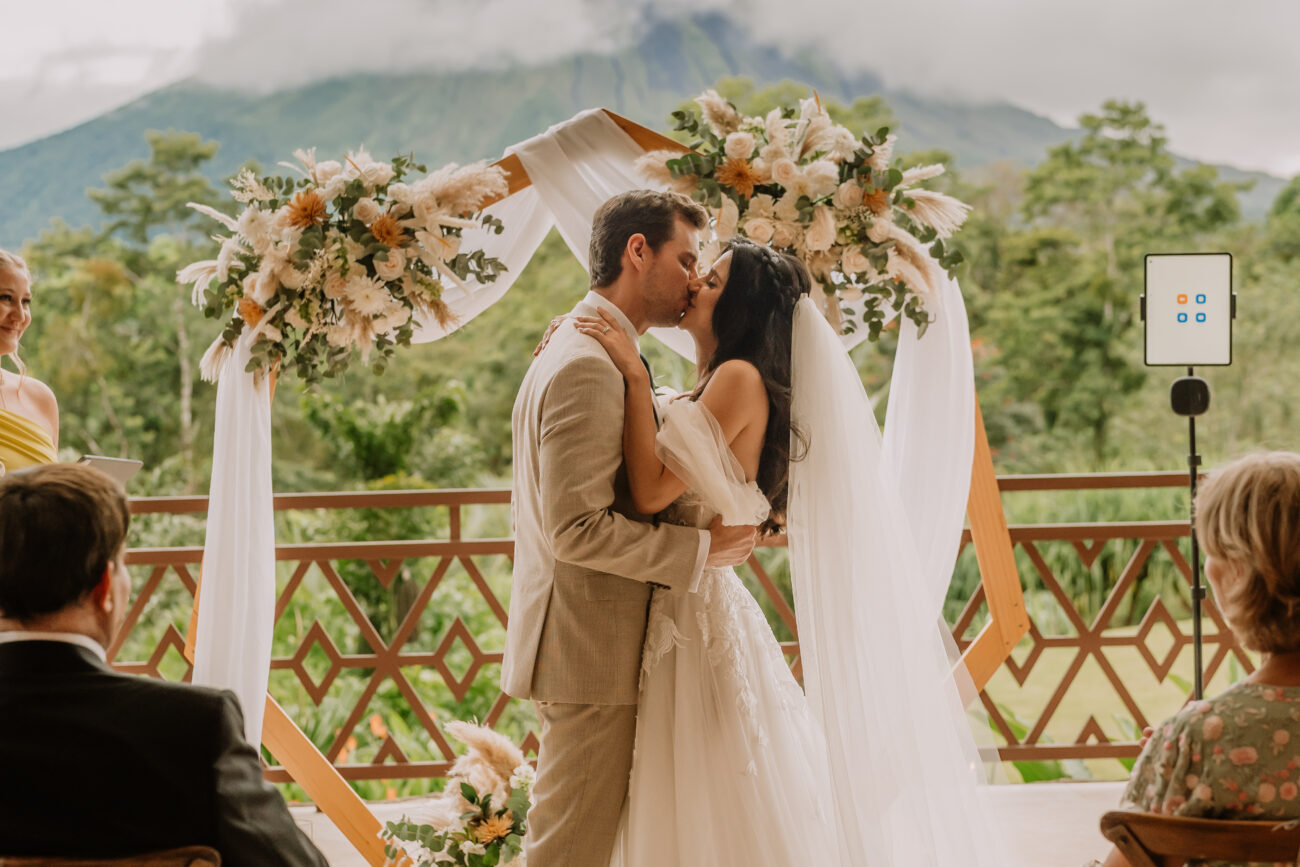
(672, 729)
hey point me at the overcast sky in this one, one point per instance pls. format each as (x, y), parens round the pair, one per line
(1223, 78)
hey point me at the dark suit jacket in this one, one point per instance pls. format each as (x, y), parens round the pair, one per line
(98, 763)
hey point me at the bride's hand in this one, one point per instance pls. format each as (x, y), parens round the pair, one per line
(546, 338)
(622, 351)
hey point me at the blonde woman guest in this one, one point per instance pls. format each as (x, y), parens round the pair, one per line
(29, 413)
(1237, 755)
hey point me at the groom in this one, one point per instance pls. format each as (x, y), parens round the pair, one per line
(585, 560)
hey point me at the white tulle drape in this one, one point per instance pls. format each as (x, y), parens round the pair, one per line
(237, 604)
(906, 772)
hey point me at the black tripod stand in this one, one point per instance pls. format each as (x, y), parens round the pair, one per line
(1190, 396)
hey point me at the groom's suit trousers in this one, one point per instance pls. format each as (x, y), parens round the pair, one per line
(587, 753)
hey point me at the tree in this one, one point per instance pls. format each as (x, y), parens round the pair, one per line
(1065, 306)
(110, 306)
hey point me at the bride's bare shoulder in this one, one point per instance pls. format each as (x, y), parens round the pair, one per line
(736, 373)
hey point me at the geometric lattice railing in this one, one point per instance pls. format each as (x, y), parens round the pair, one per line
(378, 642)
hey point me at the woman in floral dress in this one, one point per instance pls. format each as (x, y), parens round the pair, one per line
(1237, 755)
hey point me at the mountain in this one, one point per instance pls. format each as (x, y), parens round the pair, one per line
(465, 116)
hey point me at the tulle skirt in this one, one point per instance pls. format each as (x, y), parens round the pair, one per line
(730, 766)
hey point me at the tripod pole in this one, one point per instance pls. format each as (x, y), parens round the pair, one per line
(1198, 590)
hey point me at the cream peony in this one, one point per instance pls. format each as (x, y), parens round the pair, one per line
(367, 210)
(393, 267)
(821, 234)
(740, 145)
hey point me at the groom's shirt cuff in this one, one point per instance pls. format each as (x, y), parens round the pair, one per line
(700, 556)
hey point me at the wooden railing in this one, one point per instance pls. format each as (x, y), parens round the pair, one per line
(377, 640)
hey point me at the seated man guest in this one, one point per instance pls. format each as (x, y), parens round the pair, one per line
(94, 763)
(1235, 756)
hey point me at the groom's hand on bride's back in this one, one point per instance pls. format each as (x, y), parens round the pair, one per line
(730, 546)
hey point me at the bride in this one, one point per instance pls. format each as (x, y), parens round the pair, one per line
(734, 764)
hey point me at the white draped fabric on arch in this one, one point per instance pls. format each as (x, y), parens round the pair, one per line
(925, 455)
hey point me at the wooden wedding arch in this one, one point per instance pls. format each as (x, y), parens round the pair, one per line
(1008, 621)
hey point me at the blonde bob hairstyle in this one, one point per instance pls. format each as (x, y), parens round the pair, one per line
(1248, 514)
(14, 264)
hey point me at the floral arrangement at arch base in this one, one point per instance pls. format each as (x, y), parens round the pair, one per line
(797, 181)
(481, 818)
(338, 261)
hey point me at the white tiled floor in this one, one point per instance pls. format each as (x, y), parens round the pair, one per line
(1045, 824)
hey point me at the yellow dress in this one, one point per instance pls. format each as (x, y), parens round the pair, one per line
(23, 442)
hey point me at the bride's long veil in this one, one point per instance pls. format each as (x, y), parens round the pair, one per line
(873, 534)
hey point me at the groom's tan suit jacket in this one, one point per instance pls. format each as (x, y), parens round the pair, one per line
(584, 557)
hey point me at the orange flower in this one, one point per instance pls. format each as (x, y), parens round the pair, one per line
(878, 201)
(495, 828)
(739, 175)
(250, 311)
(377, 727)
(307, 209)
(387, 231)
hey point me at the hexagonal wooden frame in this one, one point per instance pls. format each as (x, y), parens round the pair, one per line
(1008, 621)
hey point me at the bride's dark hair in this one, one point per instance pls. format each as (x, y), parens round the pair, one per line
(754, 321)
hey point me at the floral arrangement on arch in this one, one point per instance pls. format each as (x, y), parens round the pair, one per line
(801, 183)
(338, 260)
(481, 818)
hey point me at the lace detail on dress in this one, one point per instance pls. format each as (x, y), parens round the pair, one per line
(661, 634)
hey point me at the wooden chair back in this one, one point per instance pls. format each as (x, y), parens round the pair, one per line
(1153, 840)
(186, 856)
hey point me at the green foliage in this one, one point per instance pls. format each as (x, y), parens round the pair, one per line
(1062, 311)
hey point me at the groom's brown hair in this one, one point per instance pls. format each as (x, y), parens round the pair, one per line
(652, 213)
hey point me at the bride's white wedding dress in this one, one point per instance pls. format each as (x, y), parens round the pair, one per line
(876, 766)
(730, 765)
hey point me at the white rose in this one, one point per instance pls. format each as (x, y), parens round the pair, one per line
(787, 208)
(335, 285)
(821, 234)
(785, 172)
(848, 195)
(333, 188)
(728, 217)
(761, 206)
(739, 145)
(377, 174)
(760, 229)
(398, 316)
(773, 152)
(327, 171)
(823, 177)
(854, 261)
(400, 192)
(393, 268)
(367, 210)
(785, 234)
